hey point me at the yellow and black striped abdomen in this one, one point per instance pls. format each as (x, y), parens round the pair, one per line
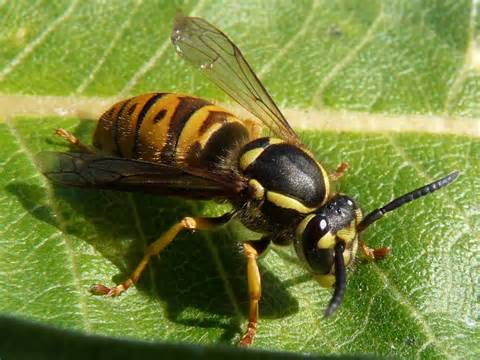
(170, 128)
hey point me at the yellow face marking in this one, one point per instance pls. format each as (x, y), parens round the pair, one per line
(353, 251)
(259, 190)
(249, 157)
(358, 216)
(346, 256)
(326, 281)
(347, 234)
(286, 202)
(327, 241)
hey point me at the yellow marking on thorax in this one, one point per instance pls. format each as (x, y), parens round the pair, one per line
(259, 190)
(326, 181)
(249, 157)
(287, 202)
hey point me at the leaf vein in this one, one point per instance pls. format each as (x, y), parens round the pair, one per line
(403, 300)
(293, 41)
(468, 62)
(150, 63)
(112, 44)
(328, 78)
(27, 50)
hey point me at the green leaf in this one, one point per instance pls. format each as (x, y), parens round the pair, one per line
(372, 67)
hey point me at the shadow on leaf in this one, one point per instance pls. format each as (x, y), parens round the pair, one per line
(200, 277)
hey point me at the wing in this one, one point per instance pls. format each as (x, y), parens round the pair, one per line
(112, 173)
(214, 54)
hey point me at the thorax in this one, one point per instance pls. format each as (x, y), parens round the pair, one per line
(287, 183)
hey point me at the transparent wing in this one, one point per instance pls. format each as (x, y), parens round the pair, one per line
(214, 54)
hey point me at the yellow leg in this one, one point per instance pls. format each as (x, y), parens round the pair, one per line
(155, 248)
(254, 291)
(339, 172)
(374, 254)
(72, 139)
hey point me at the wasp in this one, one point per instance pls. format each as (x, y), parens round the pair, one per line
(180, 145)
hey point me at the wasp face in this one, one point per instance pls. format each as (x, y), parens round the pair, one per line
(318, 233)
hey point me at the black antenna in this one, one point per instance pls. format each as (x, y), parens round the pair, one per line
(340, 280)
(404, 199)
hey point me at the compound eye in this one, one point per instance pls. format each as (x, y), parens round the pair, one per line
(317, 250)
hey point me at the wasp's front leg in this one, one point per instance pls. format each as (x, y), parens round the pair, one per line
(252, 250)
(339, 172)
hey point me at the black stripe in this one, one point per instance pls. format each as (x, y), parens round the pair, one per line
(212, 118)
(150, 102)
(115, 128)
(220, 145)
(185, 109)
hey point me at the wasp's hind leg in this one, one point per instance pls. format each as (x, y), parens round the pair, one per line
(156, 247)
(252, 250)
(339, 172)
(73, 140)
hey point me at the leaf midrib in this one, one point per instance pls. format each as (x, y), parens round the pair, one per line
(325, 120)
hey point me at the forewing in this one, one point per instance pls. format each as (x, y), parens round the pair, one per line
(112, 173)
(214, 54)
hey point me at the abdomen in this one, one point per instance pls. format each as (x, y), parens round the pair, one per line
(172, 129)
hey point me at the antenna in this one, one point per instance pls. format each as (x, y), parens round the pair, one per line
(404, 199)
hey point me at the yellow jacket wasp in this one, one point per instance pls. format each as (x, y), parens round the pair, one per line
(180, 145)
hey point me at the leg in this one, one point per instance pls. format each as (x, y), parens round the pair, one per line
(73, 140)
(252, 250)
(374, 254)
(341, 168)
(156, 247)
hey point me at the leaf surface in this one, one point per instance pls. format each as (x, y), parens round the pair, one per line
(384, 59)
